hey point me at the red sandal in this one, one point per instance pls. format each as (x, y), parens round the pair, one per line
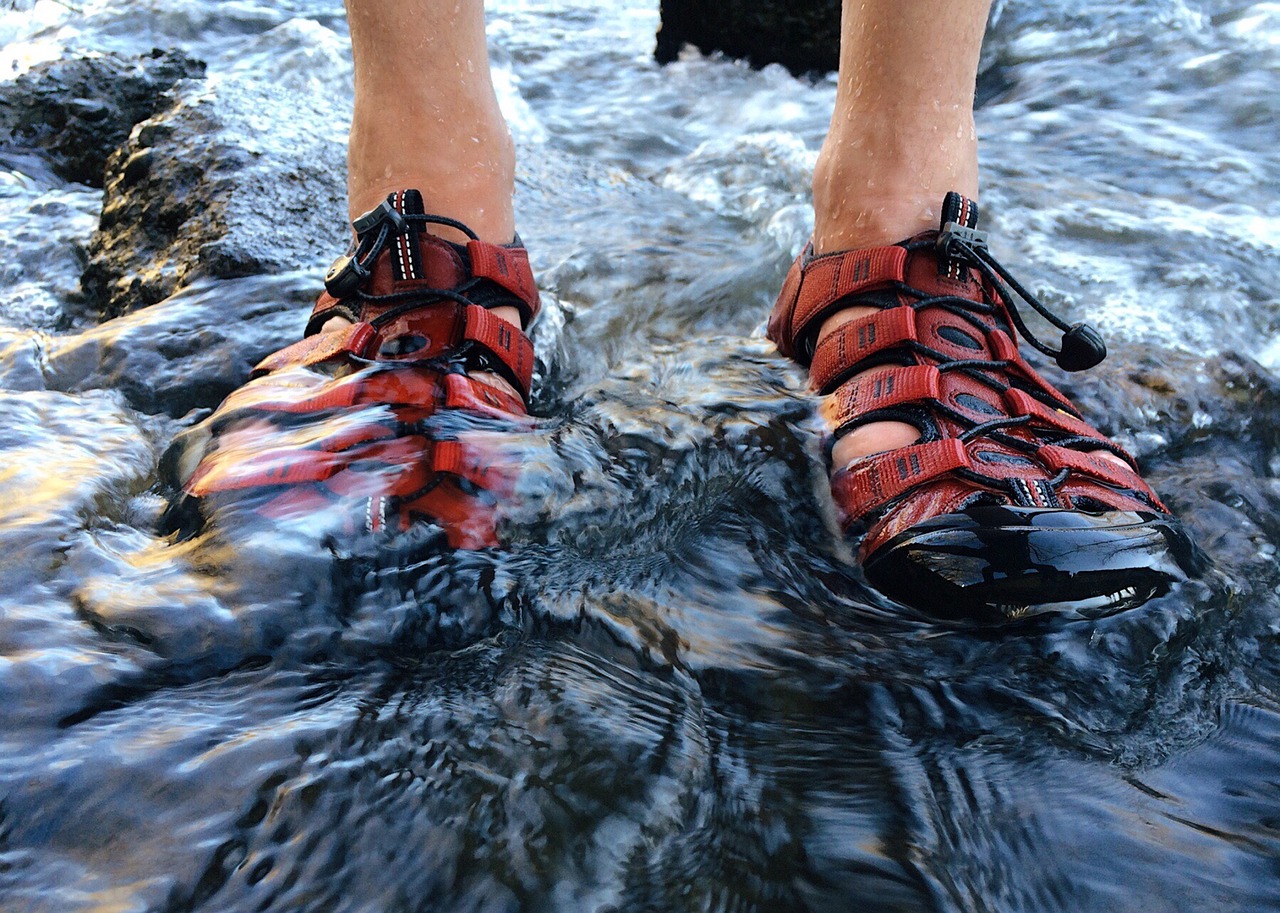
(1003, 509)
(368, 423)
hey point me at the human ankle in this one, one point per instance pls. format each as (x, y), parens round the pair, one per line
(880, 179)
(471, 180)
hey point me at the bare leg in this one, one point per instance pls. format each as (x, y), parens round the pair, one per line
(902, 135)
(426, 116)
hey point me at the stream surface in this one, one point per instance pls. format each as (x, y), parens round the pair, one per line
(672, 690)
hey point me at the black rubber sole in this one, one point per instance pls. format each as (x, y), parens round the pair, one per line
(990, 564)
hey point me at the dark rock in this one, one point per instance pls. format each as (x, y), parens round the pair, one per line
(226, 184)
(75, 113)
(185, 354)
(803, 37)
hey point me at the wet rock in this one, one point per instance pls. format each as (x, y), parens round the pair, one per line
(1164, 403)
(75, 113)
(187, 353)
(803, 37)
(227, 182)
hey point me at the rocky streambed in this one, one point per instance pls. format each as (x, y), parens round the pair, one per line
(672, 690)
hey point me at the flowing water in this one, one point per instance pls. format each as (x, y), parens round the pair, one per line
(671, 691)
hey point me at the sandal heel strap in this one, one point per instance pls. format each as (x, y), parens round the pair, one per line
(507, 266)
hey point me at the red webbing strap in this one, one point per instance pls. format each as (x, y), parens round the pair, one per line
(458, 459)
(470, 395)
(857, 340)
(339, 394)
(779, 329)
(881, 390)
(504, 341)
(831, 277)
(292, 465)
(1088, 464)
(879, 479)
(268, 467)
(468, 522)
(396, 468)
(1004, 349)
(509, 268)
(1021, 403)
(314, 350)
(366, 387)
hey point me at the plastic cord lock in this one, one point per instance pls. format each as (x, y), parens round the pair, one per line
(384, 211)
(344, 277)
(1082, 348)
(954, 237)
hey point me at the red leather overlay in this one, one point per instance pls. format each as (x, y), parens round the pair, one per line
(422, 333)
(879, 479)
(1058, 458)
(1021, 403)
(314, 350)
(841, 350)
(881, 390)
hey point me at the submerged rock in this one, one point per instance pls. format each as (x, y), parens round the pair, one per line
(187, 353)
(75, 113)
(223, 184)
(1166, 403)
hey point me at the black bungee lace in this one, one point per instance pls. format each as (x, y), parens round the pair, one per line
(1081, 346)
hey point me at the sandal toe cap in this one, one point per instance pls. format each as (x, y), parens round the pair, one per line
(992, 564)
